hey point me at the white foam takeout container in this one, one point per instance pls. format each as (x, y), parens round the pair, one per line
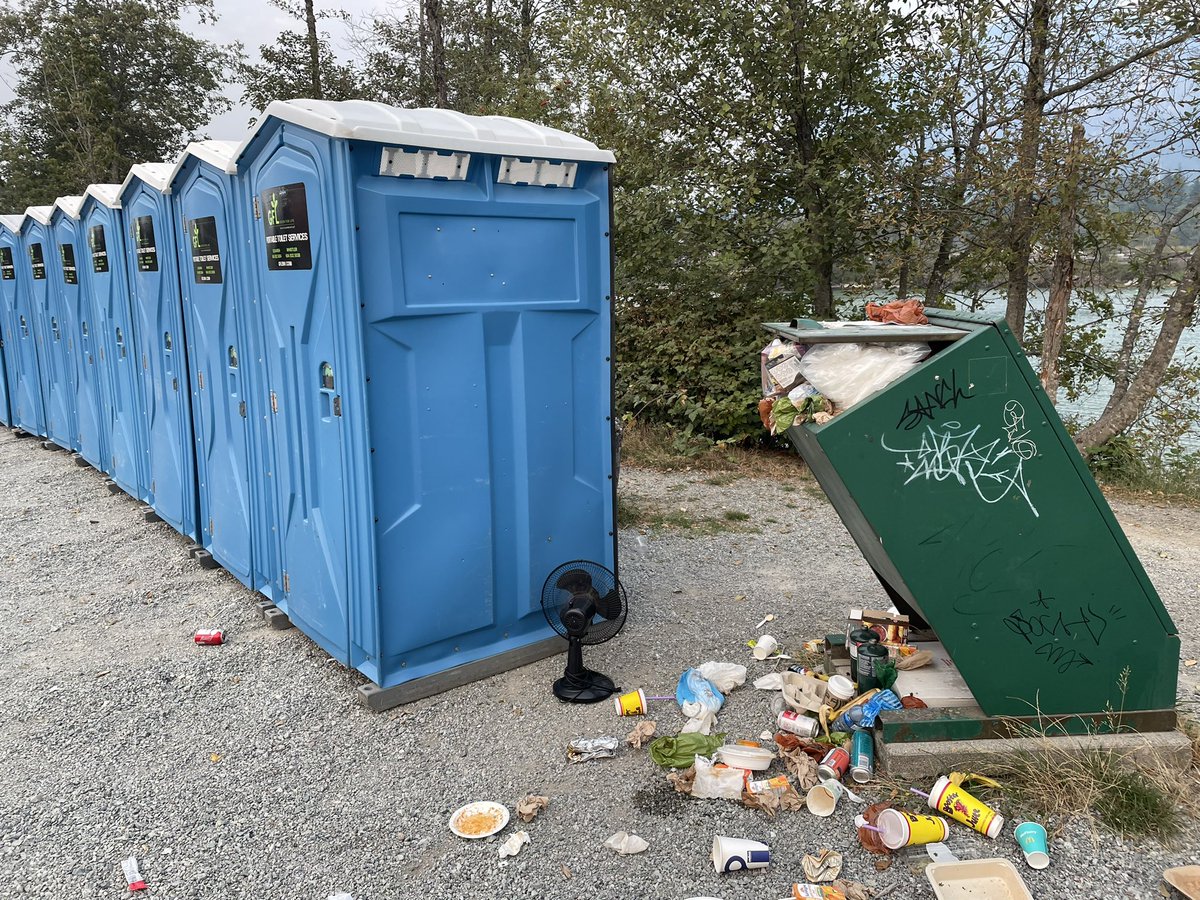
(977, 879)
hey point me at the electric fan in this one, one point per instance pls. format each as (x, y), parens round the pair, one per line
(584, 603)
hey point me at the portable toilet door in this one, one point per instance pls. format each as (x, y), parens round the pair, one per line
(39, 252)
(9, 227)
(21, 356)
(437, 295)
(105, 278)
(154, 279)
(85, 367)
(220, 360)
(64, 304)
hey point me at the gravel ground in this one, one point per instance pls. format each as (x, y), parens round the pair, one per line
(250, 770)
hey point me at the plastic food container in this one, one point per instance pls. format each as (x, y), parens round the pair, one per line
(977, 879)
(739, 757)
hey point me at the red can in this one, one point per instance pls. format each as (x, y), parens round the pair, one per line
(834, 765)
(210, 636)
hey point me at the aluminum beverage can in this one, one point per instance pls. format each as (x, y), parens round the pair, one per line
(862, 757)
(854, 642)
(834, 765)
(211, 636)
(798, 724)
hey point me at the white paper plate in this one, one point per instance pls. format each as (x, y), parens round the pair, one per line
(480, 807)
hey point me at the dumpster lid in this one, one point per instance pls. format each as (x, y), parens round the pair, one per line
(439, 129)
(219, 154)
(12, 222)
(108, 194)
(810, 331)
(39, 213)
(70, 205)
(155, 174)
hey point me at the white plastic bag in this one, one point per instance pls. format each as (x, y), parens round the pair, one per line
(716, 784)
(849, 373)
(724, 676)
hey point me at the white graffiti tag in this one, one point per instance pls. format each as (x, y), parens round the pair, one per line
(993, 469)
(1018, 434)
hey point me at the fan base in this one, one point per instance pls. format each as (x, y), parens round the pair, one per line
(586, 687)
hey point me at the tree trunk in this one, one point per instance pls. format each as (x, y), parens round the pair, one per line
(437, 52)
(1062, 275)
(1033, 105)
(1181, 309)
(314, 51)
(935, 285)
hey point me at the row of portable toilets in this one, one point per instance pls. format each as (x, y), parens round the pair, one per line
(362, 358)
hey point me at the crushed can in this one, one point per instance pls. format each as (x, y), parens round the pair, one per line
(798, 723)
(209, 636)
(862, 756)
(834, 765)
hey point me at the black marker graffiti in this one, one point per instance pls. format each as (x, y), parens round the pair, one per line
(920, 407)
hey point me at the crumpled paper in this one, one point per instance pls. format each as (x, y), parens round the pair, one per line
(853, 890)
(584, 749)
(642, 732)
(801, 767)
(530, 805)
(684, 780)
(626, 844)
(772, 802)
(826, 865)
(514, 844)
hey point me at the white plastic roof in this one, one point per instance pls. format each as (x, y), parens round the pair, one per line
(70, 205)
(157, 175)
(12, 223)
(440, 129)
(216, 153)
(108, 194)
(39, 214)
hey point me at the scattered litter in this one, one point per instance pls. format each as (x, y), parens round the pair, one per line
(765, 646)
(723, 676)
(530, 805)
(772, 801)
(626, 844)
(985, 879)
(816, 892)
(870, 835)
(940, 852)
(583, 749)
(743, 756)
(898, 312)
(769, 617)
(1187, 662)
(641, 733)
(680, 752)
(209, 636)
(1185, 879)
(683, 781)
(480, 819)
(771, 682)
(801, 767)
(855, 891)
(883, 863)
(132, 876)
(826, 865)
(717, 783)
(1032, 838)
(214, 757)
(514, 844)
(566, 872)
(736, 854)
(914, 661)
(631, 704)
(954, 801)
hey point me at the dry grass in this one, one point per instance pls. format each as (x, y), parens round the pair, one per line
(658, 447)
(637, 512)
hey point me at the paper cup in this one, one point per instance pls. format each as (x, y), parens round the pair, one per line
(1032, 838)
(765, 646)
(734, 854)
(905, 829)
(822, 798)
(631, 704)
(953, 801)
(841, 687)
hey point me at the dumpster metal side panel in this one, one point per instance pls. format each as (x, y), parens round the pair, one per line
(218, 360)
(487, 335)
(64, 306)
(106, 277)
(301, 307)
(153, 266)
(981, 501)
(81, 343)
(39, 258)
(20, 354)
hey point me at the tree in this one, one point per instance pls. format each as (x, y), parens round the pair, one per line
(101, 85)
(279, 74)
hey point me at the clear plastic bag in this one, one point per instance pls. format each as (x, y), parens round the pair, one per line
(849, 373)
(717, 784)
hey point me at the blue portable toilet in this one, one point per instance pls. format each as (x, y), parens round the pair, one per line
(90, 409)
(435, 293)
(10, 227)
(39, 253)
(106, 281)
(16, 316)
(153, 266)
(64, 305)
(222, 363)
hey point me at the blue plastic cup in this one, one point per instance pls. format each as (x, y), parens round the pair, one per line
(1032, 838)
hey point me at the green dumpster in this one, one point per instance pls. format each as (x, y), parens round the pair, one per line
(968, 498)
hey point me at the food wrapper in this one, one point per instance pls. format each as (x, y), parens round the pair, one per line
(530, 805)
(626, 844)
(642, 732)
(132, 876)
(584, 749)
(514, 844)
(816, 892)
(826, 865)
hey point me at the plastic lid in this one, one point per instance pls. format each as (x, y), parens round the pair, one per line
(841, 687)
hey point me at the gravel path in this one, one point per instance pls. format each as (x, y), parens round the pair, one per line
(250, 770)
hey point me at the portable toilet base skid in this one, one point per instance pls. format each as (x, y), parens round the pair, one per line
(979, 517)
(433, 295)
